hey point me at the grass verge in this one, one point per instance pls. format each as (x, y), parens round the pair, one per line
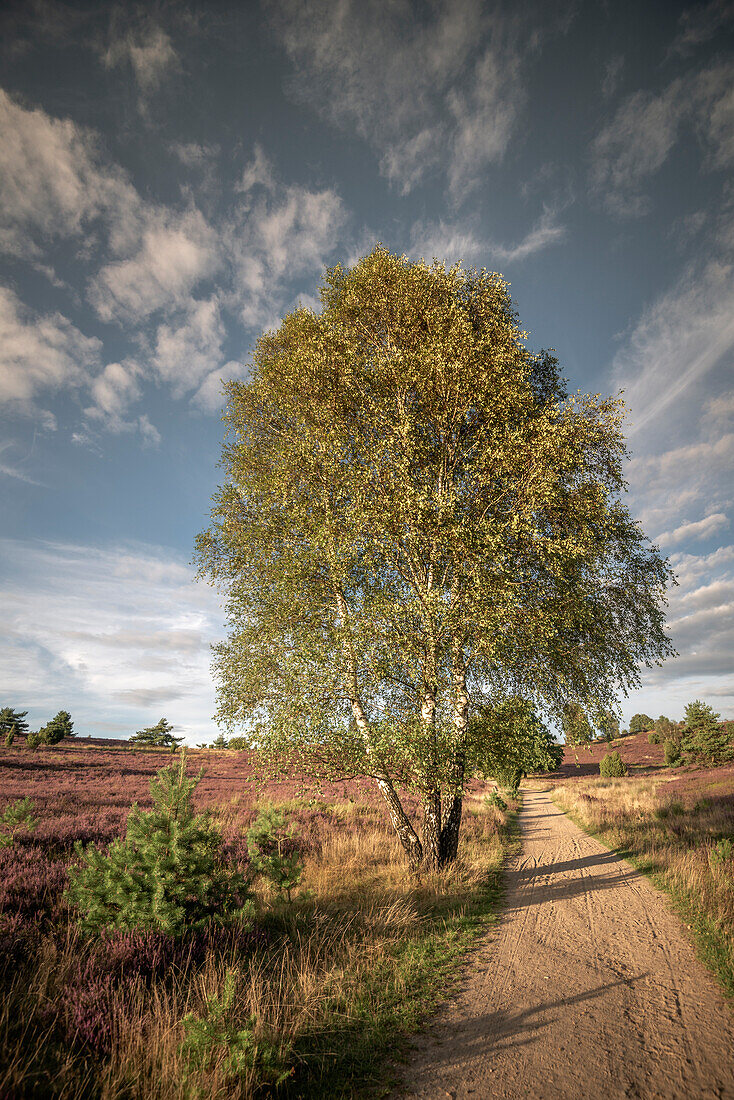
(682, 846)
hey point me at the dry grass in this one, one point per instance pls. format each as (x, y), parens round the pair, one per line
(676, 840)
(349, 965)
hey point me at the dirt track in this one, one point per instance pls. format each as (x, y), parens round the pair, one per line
(587, 988)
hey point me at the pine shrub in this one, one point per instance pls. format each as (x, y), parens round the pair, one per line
(704, 739)
(169, 873)
(612, 765)
(16, 815)
(274, 851)
(671, 753)
(218, 1040)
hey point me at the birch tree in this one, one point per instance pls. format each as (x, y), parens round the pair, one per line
(416, 521)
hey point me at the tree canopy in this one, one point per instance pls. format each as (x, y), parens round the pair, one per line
(417, 521)
(159, 736)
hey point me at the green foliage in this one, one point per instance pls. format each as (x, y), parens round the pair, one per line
(612, 765)
(412, 505)
(665, 729)
(217, 1040)
(9, 737)
(509, 740)
(16, 815)
(239, 743)
(495, 799)
(671, 753)
(12, 721)
(703, 739)
(640, 723)
(33, 740)
(167, 874)
(220, 742)
(654, 738)
(159, 736)
(273, 853)
(608, 725)
(59, 727)
(575, 725)
(722, 853)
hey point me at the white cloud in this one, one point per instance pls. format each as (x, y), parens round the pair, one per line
(53, 181)
(546, 232)
(150, 54)
(633, 146)
(279, 233)
(679, 338)
(447, 242)
(209, 395)
(40, 353)
(639, 138)
(116, 635)
(700, 23)
(440, 92)
(189, 349)
(175, 253)
(452, 241)
(698, 529)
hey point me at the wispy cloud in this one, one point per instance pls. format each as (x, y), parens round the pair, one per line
(40, 353)
(278, 232)
(678, 339)
(149, 53)
(702, 22)
(638, 140)
(441, 93)
(461, 240)
(547, 231)
(697, 529)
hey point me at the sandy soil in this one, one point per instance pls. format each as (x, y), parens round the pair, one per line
(588, 987)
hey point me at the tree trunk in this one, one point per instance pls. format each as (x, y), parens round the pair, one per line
(432, 829)
(399, 819)
(432, 795)
(452, 826)
(401, 824)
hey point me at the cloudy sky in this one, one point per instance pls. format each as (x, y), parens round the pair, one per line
(174, 178)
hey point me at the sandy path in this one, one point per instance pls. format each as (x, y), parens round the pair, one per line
(586, 988)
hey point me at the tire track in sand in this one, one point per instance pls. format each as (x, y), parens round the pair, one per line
(586, 988)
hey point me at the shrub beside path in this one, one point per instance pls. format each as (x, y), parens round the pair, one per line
(588, 987)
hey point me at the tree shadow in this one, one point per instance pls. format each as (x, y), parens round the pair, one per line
(497, 1031)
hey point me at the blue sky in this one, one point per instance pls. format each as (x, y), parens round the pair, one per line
(174, 178)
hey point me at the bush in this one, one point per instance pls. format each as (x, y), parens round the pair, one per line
(168, 874)
(722, 853)
(273, 851)
(33, 740)
(671, 753)
(239, 743)
(612, 765)
(494, 799)
(215, 1041)
(16, 815)
(654, 738)
(639, 723)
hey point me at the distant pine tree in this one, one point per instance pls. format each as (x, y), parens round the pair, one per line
(159, 736)
(168, 874)
(12, 722)
(703, 738)
(57, 729)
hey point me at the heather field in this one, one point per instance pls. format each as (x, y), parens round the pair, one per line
(318, 991)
